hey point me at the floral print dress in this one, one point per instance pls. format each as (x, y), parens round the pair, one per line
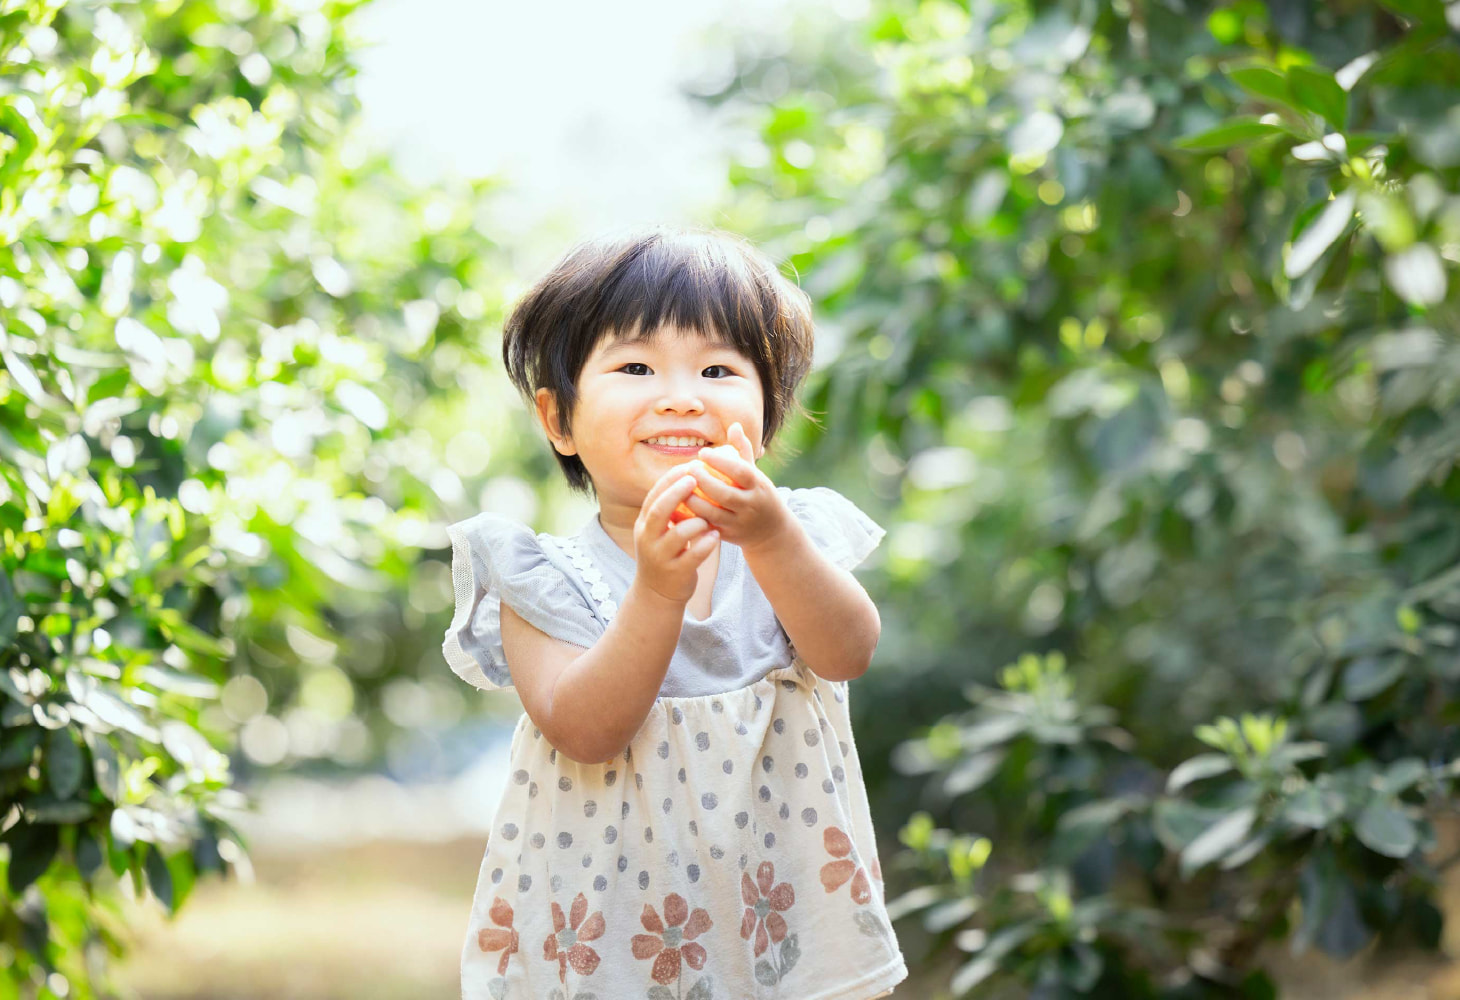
(727, 853)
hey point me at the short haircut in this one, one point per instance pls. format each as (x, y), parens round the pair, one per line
(628, 285)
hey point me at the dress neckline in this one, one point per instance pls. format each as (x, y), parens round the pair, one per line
(595, 528)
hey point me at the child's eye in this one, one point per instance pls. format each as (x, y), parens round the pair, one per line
(640, 364)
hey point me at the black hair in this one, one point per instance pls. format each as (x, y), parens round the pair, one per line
(629, 285)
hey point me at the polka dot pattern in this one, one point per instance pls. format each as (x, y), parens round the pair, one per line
(724, 785)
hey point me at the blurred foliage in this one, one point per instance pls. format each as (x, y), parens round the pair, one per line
(216, 304)
(1142, 323)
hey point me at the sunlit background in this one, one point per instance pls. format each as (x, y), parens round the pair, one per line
(579, 106)
(1136, 330)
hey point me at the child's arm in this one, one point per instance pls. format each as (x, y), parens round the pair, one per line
(597, 702)
(825, 611)
(608, 692)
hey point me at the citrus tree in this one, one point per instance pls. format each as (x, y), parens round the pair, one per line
(226, 330)
(1143, 318)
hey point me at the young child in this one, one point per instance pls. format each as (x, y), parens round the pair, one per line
(685, 815)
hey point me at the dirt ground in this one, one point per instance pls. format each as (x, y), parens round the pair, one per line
(387, 919)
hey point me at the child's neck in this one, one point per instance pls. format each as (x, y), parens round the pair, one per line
(621, 533)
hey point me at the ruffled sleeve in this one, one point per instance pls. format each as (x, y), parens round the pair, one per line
(494, 558)
(837, 527)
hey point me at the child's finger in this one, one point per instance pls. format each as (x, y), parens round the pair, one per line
(719, 517)
(686, 531)
(739, 471)
(698, 548)
(665, 503)
(705, 544)
(741, 440)
(721, 493)
(664, 482)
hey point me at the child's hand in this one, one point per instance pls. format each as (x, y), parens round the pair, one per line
(750, 512)
(669, 555)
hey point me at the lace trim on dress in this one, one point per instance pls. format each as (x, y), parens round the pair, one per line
(607, 607)
(599, 589)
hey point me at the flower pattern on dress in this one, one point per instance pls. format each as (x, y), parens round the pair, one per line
(764, 903)
(834, 874)
(502, 936)
(566, 942)
(671, 938)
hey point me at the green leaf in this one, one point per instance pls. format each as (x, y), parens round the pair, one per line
(1402, 774)
(991, 730)
(1368, 676)
(159, 877)
(1219, 838)
(1233, 132)
(1177, 822)
(24, 376)
(1080, 966)
(112, 710)
(178, 681)
(50, 809)
(986, 962)
(1330, 913)
(915, 899)
(1417, 275)
(1101, 812)
(889, 29)
(1313, 807)
(1244, 853)
(973, 771)
(1316, 89)
(205, 851)
(1289, 754)
(10, 610)
(64, 763)
(1383, 828)
(973, 972)
(88, 853)
(105, 766)
(1319, 236)
(32, 846)
(1211, 736)
(13, 123)
(184, 877)
(949, 914)
(1201, 766)
(1263, 81)
(17, 747)
(1225, 24)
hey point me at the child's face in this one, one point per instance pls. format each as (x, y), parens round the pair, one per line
(627, 393)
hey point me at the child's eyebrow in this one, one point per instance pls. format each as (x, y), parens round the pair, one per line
(643, 342)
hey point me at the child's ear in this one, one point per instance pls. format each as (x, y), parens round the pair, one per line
(547, 415)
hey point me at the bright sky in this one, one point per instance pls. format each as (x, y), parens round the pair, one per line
(575, 101)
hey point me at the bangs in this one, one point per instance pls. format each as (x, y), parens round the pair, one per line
(690, 283)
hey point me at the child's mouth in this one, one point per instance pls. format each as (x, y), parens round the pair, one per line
(664, 449)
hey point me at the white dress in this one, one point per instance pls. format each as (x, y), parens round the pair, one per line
(727, 853)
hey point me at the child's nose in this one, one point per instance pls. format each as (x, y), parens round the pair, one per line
(680, 401)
